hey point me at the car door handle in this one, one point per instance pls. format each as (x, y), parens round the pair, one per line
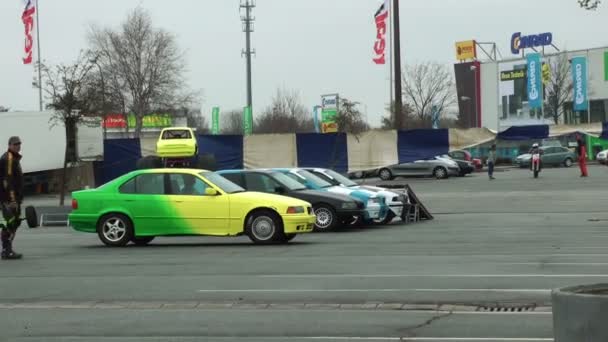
(176, 201)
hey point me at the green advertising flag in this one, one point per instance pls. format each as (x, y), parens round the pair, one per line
(606, 66)
(215, 121)
(247, 121)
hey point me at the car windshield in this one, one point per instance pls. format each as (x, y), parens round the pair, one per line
(287, 182)
(222, 183)
(340, 178)
(316, 181)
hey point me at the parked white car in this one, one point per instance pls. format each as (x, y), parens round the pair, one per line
(602, 157)
(395, 201)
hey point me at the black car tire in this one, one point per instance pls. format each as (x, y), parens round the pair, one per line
(142, 241)
(568, 162)
(385, 174)
(115, 230)
(386, 219)
(265, 227)
(325, 212)
(440, 172)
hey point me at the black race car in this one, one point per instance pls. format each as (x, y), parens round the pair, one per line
(331, 209)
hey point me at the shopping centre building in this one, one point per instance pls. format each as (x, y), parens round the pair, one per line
(494, 92)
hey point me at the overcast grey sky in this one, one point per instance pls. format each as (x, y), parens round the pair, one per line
(313, 46)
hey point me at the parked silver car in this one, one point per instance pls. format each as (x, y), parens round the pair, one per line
(437, 167)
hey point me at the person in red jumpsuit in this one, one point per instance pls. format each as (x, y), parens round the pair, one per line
(582, 156)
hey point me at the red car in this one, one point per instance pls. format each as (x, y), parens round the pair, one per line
(466, 156)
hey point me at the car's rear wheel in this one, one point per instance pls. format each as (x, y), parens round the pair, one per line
(142, 241)
(385, 174)
(440, 173)
(115, 230)
(326, 218)
(265, 227)
(568, 162)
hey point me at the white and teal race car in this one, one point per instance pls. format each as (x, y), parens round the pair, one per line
(375, 205)
(395, 201)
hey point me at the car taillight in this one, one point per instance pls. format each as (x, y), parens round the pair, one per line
(74, 204)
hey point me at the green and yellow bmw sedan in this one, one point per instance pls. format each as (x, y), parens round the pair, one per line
(144, 204)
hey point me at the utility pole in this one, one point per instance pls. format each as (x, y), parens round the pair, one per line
(397, 66)
(247, 19)
(39, 60)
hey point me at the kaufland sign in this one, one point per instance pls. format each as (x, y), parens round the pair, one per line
(519, 42)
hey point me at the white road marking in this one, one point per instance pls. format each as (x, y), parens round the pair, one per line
(373, 290)
(432, 276)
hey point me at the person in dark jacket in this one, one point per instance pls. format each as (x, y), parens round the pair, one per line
(11, 196)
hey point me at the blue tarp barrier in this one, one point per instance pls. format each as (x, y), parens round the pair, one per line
(532, 132)
(604, 130)
(228, 149)
(422, 144)
(323, 150)
(120, 157)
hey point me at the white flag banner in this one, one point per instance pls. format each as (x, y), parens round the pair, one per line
(381, 17)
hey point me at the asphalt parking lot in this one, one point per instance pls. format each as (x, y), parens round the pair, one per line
(481, 271)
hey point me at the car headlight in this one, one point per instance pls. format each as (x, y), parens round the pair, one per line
(295, 210)
(349, 205)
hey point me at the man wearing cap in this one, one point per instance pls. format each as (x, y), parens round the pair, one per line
(11, 196)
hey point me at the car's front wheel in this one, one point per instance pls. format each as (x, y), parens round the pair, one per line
(388, 218)
(265, 227)
(115, 230)
(440, 173)
(568, 162)
(326, 218)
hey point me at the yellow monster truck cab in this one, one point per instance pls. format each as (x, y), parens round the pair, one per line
(176, 142)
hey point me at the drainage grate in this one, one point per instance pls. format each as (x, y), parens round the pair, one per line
(503, 308)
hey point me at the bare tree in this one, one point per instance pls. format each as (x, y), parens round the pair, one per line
(144, 64)
(71, 96)
(426, 85)
(197, 120)
(4, 109)
(589, 4)
(350, 119)
(286, 114)
(559, 87)
(232, 122)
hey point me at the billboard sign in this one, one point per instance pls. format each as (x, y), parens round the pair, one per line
(329, 112)
(579, 76)
(247, 121)
(519, 42)
(119, 121)
(466, 50)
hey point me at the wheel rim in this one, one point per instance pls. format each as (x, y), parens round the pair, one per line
(385, 174)
(114, 229)
(568, 162)
(440, 173)
(263, 228)
(324, 218)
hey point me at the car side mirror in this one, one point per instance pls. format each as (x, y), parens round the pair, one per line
(211, 192)
(280, 190)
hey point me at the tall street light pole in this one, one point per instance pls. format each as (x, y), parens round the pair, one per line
(247, 19)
